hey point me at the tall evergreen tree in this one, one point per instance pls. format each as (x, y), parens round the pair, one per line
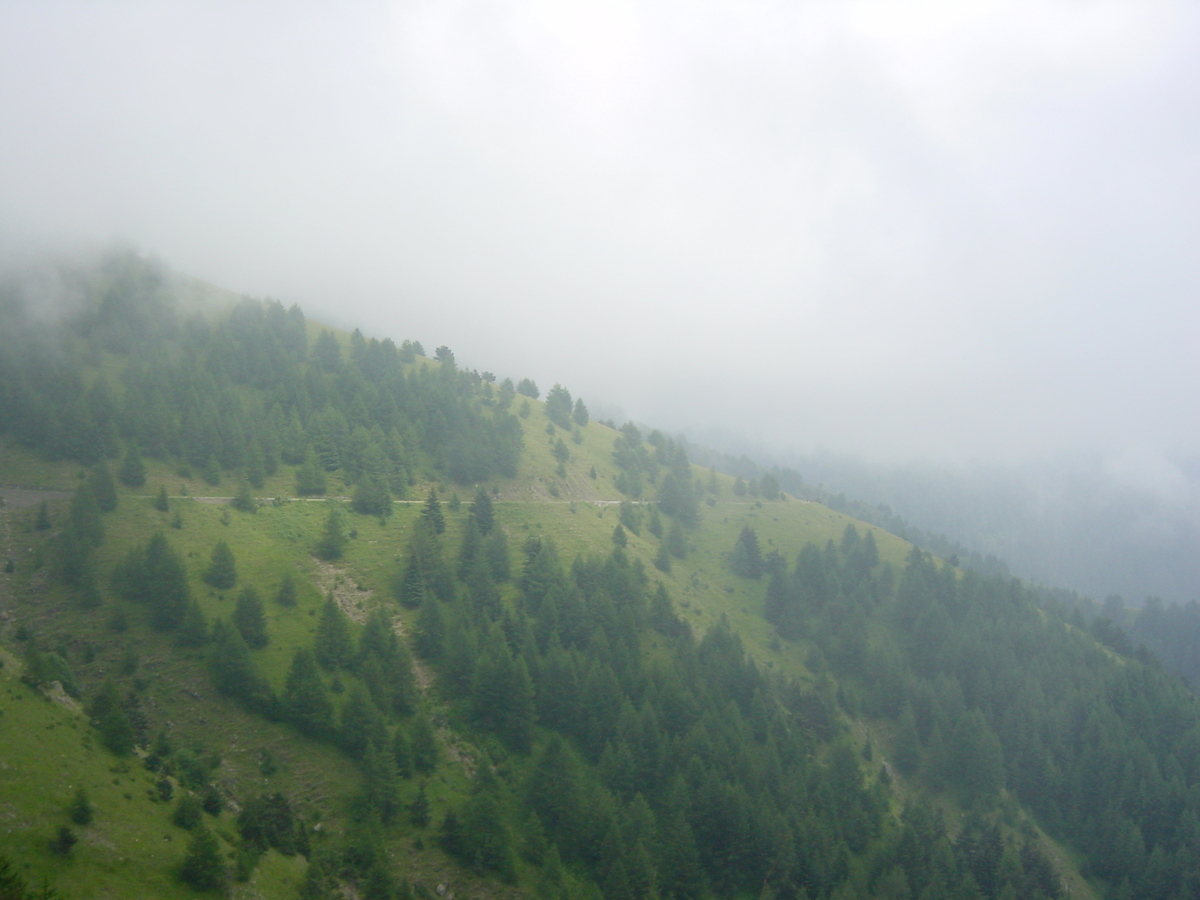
(431, 513)
(250, 619)
(333, 538)
(305, 700)
(482, 512)
(202, 867)
(133, 470)
(222, 570)
(103, 488)
(333, 646)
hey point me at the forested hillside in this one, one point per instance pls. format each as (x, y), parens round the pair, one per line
(289, 613)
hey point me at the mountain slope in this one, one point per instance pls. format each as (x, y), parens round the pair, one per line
(523, 653)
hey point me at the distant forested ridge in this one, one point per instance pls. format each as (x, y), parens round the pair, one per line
(241, 390)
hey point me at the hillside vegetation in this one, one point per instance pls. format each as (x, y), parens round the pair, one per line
(291, 613)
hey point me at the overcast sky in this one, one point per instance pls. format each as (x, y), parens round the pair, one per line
(938, 229)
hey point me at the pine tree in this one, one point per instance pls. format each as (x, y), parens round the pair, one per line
(100, 481)
(482, 512)
(255, 465)
(305, 700)
(212, 470)
(418, 810)
(250, 619)
(432, 513)
(244, 500)
(165, 587)
(675, 542)
(80, 810)
(332, 646)
(402, 753)
(310, 477)
(42, 522)
(424, 745)
(286, 595)
(193, 627)
(746, 557)
(333, 539)
(108, 713)
(160, 501)
(202, 867)
(222, 571)
(133, 470)
(234, 671)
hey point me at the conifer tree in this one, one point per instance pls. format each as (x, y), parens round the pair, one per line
(419, 809)
(244, 501)
(42, 522)
(250, 619)
(222, 570)
(675, 542)
(193, 627)
(332, 646)
(234, 670)
(212, 470)
(432, 513)
(310, 477)
(83, 519)
(746, 557)
(108, 713)
(100, 481)
(80, 810)
(333, 539)
(412, 589)
(619, 537)
(402, 753)
(424, 745)
(482, 512)
(160, 501)
(286, 595)
(305, 700)
(202, 867)
(133, 470)
(255, 465)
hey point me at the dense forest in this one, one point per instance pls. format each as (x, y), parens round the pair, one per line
(551, 724)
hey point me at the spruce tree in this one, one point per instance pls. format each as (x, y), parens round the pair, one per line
(255, 465)
(80, 810)
(222, 571)
(310, 477)
(482, 512)
(193, 627)
(305, 700)
(212, 470)
(432, 513)
(424, 745)
(333, 645)
(746, 557)
(244, 500)
(333, 539)
(100, 480)
(108, 713)
(202, 867)
(250, 619)
(160, 501)
(286, 595)
(133, 470)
